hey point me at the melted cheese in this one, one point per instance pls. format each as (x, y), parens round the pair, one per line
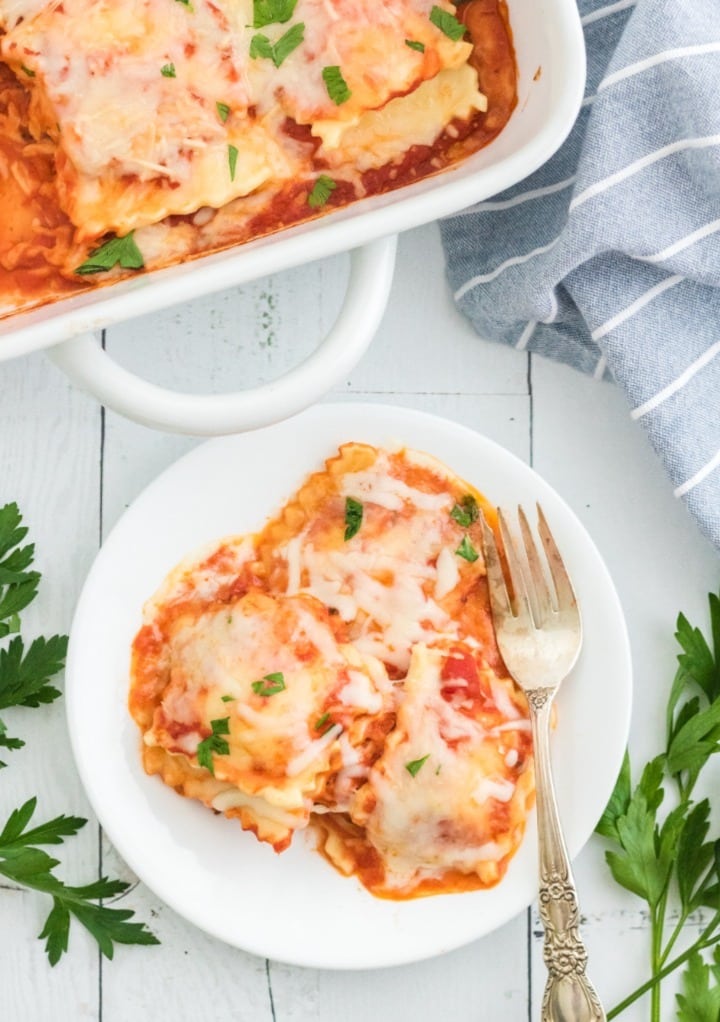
(460, 808)
(129, 95)
(276, 758)
(332, 616)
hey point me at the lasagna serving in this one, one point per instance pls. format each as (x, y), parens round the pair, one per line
(338, 670)
(137, 133)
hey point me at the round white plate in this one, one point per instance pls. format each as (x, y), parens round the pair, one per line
(294, 907)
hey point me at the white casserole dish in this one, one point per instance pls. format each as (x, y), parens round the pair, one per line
(551, 77)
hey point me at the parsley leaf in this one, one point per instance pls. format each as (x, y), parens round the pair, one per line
(353, 517)
(28, 72)
(321, 191)
(223, 111)
(168, 71)
(24, 674)
(270, 12)
(232, 160)
(337, 87)
(447, 23)
(288, 42)
(18, 586)
(117, 251)
(214, 744)
(466, 512)
(414, 44)
(260, 45)
(700, 999)
(269, 685)
(467, 551)
(414, 767)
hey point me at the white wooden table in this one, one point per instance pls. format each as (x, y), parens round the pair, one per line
(73, 468)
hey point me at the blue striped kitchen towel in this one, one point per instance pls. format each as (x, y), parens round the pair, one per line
(608, 257)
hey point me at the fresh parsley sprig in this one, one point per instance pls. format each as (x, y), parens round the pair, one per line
(668, 857)
(25, 682)
(23, 862)
(24, 674)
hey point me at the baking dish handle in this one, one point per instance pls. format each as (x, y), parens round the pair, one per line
(92, 369)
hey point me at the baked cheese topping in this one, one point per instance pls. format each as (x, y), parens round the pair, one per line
(339, 668)
(160, 108)
(441, 795)
(247, 683)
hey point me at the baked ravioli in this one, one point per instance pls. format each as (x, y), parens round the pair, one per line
(338, 670)
(138, 133)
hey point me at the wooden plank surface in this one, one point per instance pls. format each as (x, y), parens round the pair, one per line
(74, 471)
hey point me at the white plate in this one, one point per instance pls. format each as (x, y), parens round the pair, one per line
(294, 907)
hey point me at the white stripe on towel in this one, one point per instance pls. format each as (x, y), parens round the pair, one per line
(639, 303)
(517, 200)
(600, 368)
(703, 473)
(604, 12)
(645, 161)
(658, 58)
(678, 246)
(485, 278)
(678, 384)
(525, 336)
(550, 318)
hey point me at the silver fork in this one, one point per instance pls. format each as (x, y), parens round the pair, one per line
(539, 634)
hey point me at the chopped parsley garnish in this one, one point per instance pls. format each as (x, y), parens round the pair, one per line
(353, 517)
(466, 512)
(28, 72)
(260, 45)
(321, 722)
(232, 160)
(337, 87)
(186, 3)
(228, 699)
(223, 111)
(168, 71)
(447, 23)
(415, 44)
(115, 252)
(467, 550)
(214, 744)
(270, 12)
(414, 767)
(321, 191)
(269, 685)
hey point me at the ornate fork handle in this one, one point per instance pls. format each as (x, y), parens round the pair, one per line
(569, 994)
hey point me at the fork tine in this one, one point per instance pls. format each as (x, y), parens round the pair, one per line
(499, 598)
(563, 586)
(521, 605)
(539, 593)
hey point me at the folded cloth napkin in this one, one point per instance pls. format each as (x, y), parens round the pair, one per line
(608, 257)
